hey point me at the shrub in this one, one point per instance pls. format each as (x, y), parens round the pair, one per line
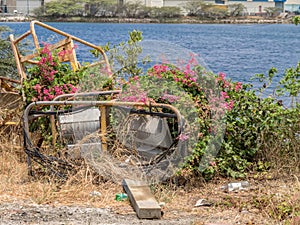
(49, 78)
(252, 129)
(231, 128)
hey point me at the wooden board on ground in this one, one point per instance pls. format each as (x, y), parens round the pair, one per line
(142, 200)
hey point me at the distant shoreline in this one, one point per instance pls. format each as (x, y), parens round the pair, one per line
(181, 20)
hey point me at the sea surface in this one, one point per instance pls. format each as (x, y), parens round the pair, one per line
(240, 51)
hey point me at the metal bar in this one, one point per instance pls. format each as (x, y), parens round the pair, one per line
(87, 94)
(17, 40)
(103, 127)
(18, 63)
(10, 80)
(69, 36)
(97, 93)
(53, 129)
(64, 34)
(29, 57)
(98, 103)
(33, 33)
(51, 48)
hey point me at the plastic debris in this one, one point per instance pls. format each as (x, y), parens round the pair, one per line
(95, 194)
(244, 211)
(236, 186)
(162, 204)
(121, 197)
(202, 202)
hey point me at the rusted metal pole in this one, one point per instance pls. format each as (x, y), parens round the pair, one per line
(98, 103)
(103, 127)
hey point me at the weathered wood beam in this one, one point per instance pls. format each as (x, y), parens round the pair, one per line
(142, 200)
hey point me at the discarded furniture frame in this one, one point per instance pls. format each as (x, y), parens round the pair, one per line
(6, 84)
(58, 114)
(80, 95)
(32, 151)
(66, 44)
(9, 100)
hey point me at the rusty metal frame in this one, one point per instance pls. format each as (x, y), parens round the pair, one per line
(102, 105)
(72, 96)
(67, 43)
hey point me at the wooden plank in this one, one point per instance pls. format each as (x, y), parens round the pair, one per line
(142, 200)
(29, 57)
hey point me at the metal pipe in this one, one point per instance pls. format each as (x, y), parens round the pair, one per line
(69, 36)
(87, 94)
(81, 94)
(98, 103)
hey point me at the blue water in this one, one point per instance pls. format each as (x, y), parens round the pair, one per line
(240, 51)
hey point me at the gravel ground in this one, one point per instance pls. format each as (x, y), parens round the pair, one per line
(253, 206)
(22, 213)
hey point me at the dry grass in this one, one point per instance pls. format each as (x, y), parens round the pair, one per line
(269, 201)
(16, 184)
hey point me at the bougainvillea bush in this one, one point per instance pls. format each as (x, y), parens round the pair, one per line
(46, 80)
(204, 100)
(231, 129)
(50, 78)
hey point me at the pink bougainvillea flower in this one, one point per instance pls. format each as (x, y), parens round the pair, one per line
(238, 86)
(224, 95)
(228, 106)
(231, 104)
(42, 61)
(221, 76)
(183, 137)
(193, 60)
(193, 79)
(170, 98)
(213, 163)
(73, 89)
(45, 91)
(62, 53)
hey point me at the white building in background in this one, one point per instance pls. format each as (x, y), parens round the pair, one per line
(252, 6)
(7, 6)
(292, 6)
(26, 6)
(20, 6)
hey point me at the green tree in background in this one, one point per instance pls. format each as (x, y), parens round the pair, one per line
(193, 7)
(236, 9)
(205, 10)
(272, 11)
(61, 8)
(100, 8)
